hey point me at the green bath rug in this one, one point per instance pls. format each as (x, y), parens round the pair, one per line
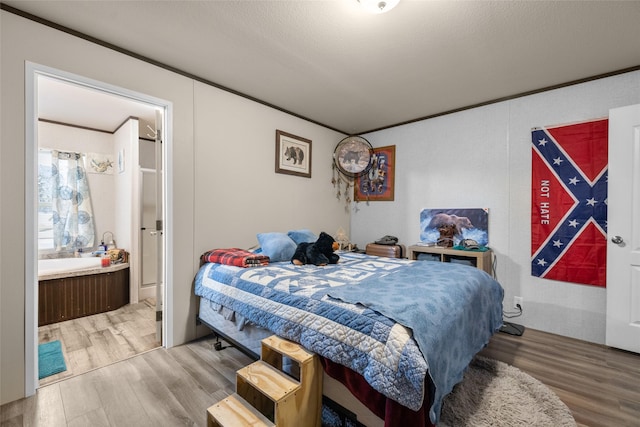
(50, 359)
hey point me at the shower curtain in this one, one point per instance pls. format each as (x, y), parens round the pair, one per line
(72, 215)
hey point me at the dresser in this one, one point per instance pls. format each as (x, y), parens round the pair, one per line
(480, 259)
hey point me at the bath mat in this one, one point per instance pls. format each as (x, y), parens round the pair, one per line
(50, 359)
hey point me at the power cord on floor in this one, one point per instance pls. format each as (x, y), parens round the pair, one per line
(508, 327)
(511, 314)
(512, 328)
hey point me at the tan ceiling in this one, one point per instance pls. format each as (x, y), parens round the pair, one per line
(331, 63)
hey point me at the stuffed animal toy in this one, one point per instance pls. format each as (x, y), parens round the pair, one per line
(319, 252)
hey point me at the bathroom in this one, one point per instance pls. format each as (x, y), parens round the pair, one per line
(119, 162)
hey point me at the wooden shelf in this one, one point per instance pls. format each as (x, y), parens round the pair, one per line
(481, 260)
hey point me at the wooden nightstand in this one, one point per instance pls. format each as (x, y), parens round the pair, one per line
(481, 260)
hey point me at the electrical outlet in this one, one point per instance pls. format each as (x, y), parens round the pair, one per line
(517, 301)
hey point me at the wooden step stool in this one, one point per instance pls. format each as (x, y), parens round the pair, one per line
(235, 411)
(266, 396)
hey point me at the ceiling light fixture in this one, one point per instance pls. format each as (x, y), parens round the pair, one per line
(378, 6)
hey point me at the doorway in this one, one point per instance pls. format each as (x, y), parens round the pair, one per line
(132, 103)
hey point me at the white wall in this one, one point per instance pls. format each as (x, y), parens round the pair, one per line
(235, 163)
(124, 185)
(482, 158)
(219, 140)
(127, 198)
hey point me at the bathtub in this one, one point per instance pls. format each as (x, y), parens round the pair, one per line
(69, 288)
(49, 267)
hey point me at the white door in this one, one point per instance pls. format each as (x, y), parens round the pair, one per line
(623, 228)
(148, 233)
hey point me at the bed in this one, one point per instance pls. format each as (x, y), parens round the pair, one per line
(398, 334)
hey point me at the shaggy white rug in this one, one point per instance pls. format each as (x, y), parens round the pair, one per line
(494, 394)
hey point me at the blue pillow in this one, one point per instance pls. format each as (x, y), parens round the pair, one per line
(277, 246)
(302, 236)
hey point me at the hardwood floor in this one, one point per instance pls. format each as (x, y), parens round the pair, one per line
(599, 384)
(172, 387)
(101, 339)
(157, 388)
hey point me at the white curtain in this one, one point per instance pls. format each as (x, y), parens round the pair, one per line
(72, 215)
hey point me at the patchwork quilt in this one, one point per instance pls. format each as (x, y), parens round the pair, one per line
(337, 311)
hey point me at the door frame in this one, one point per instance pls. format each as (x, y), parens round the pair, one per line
(32, 71)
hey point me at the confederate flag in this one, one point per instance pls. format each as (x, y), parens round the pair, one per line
(569, 203)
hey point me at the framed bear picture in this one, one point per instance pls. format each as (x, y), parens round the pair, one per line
(378, 182)
(293, 154)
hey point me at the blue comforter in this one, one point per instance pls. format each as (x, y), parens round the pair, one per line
(461, 304)
(391, 320)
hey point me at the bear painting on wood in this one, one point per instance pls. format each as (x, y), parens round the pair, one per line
(458, 223)
(320, 252)
(436, 225)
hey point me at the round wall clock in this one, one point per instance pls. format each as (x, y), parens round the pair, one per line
(353, 156)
